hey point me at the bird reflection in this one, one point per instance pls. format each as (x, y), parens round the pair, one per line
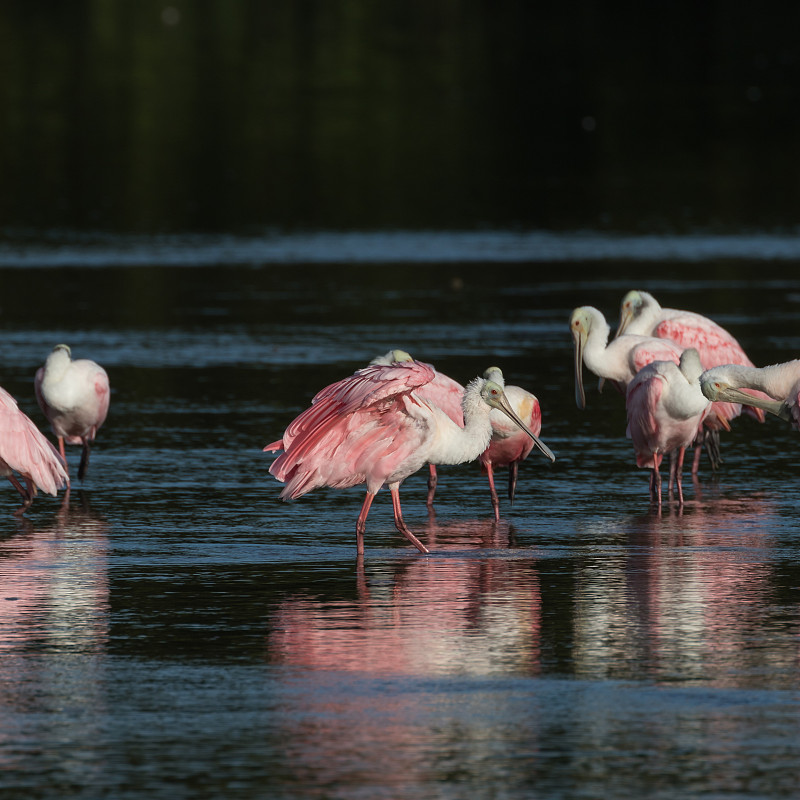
(686, 597)
(463, 611)
(55, 581)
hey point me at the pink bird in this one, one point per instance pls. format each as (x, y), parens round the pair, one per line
(779, 381)
(641, 313)
(74, 396)
(443, 392)
(509, 444)
(373, 427)
(618, 360)
(24, 449)
(665, 408)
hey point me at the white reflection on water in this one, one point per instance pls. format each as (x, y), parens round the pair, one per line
(689, 598)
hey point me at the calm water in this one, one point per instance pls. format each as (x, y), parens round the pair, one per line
(175, 630)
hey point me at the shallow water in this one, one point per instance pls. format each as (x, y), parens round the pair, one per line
(175, 630)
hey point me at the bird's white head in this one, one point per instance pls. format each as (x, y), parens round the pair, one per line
(493, 395)
(584, 319)
(721, 384)
(495, 374)
(392, 357)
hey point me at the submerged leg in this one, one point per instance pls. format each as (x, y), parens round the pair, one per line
(361, 524)
(398, 519)
(24, 492)
(433, 479)
(493, 492)
(513, 469)
(84, 465)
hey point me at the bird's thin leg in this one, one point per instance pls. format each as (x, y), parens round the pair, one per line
(493, 492)
(84, 465)
(513, 469)
(61, 448)
(657, 481)
(679, 474)
(361, 524)
(25, 493)
(432, 481)
(398, 519)
(672, 467)
(698, 451)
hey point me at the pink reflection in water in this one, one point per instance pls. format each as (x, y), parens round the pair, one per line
(459, 611)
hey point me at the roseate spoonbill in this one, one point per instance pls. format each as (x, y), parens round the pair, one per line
(373, 427)
(665, 408)
(618, 360)
(509, 444)
(443, 392)
(25, 449)
(779, 381)
(74, 396)
(642, 314)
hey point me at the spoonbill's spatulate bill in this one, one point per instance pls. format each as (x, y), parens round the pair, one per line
(781, 382)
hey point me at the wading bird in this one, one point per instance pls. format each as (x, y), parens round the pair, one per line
(618, 360)
(25, 449)
(74, 396)
(779, 381)
(373, 427)
(641, 313)
(509, 444)
(443, 392)
(665, 409)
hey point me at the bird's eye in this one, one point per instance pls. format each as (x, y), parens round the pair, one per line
(494, 392)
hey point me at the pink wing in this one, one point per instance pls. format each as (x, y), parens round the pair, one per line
(641, 402)
(716, 347)
(446, 394)
(25, 449)
(102, 392)
(714, 344)
(654, 349)
(356, 429)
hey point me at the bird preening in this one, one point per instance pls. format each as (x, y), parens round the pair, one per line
(74, 397)
(376, 427)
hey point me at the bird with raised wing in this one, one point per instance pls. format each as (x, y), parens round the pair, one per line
(74, 396)
(25, 450)
(665, 409)
(444, 392)
(373, 427)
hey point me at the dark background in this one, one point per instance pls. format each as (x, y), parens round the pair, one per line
(252, 115)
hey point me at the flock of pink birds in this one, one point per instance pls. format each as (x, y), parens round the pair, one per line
(684, 379)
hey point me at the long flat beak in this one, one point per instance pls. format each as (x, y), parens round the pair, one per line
(776, 407)
(580, 395)
(504, 406)
(625, 317)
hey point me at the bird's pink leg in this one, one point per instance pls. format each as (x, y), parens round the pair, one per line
(698, 449)
(679, 474)
(361, 524)
(398, 519)
(495, 499)
(61, 448)
(432, 481)
(655, 483)
(25, 493)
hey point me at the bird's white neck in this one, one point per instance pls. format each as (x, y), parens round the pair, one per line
(467, 443)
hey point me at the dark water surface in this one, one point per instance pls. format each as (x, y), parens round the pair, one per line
(175, 630)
